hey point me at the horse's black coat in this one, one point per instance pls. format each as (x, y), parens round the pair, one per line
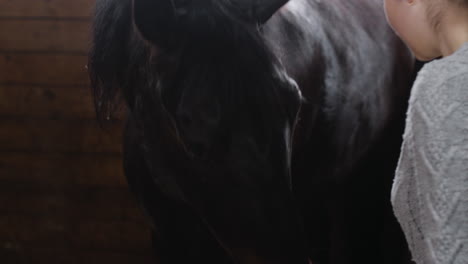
(214, 111)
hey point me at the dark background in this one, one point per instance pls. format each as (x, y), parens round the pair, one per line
(63, 196)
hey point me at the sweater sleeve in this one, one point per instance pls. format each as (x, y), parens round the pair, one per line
(445, 158)
(431, 187)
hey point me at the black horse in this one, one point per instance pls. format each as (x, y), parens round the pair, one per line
(258, 131)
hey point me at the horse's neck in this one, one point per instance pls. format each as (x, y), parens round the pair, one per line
(334, 50)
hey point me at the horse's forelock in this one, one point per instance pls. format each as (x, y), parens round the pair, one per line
(108, 57)
(236, 65)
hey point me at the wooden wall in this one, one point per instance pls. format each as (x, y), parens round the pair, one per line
(63, 197)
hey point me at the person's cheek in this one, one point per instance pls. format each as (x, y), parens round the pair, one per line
(389, 13)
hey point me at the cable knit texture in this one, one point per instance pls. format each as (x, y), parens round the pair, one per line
(430, 191)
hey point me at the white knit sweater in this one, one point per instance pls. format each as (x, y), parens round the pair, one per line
(430, 191)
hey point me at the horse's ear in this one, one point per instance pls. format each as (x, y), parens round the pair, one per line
(262, 10)
(156, 20)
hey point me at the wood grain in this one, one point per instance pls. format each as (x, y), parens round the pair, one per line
(44, 36)
(68, 136)
(56, 170)
(74, 202)
(53, 69)
(42, 101)
(69, 233)
(19, 254)
(63, 195)
(46, 8)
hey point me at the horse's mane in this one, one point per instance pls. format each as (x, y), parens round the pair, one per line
(219, 54)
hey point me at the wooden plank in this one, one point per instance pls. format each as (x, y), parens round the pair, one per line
(69, 136)
(69, 202)
(46, 8)
(63, 233)
(86, 219)
(66, 222)
(40, 255)
(18, 231)
(61, 69)
(52, 102)
(56, 170)
(100, 219)
(111, 235)
(45, 35)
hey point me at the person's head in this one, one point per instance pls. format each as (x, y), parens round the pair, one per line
(420, 23)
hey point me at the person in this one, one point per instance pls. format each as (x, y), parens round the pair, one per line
(430, 190)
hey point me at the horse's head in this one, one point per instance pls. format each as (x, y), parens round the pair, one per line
(231, 100)
(218, 78)
(229, 103)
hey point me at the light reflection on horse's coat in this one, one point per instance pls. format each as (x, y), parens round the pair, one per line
(229, 161)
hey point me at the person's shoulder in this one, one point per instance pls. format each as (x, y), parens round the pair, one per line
(438, 90)
(442, 87)
(446, 75)
(457, 84)
(450, 67)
